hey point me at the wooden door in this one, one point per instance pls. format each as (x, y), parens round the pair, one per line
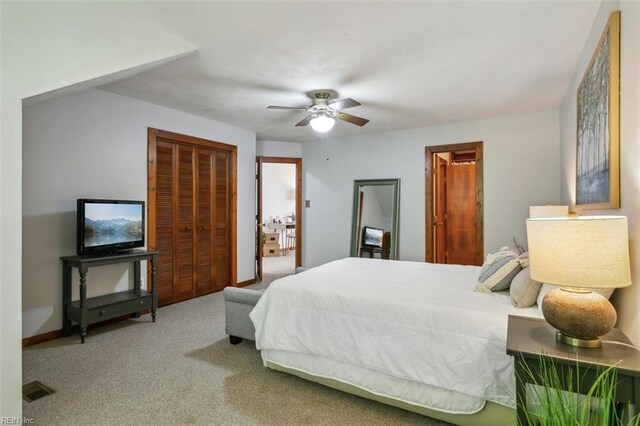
(184, 224)
(223, 236)
(461, 214)
(259, 229)
(472, 153)
(191, 218)
(205, 214)
(440, 217)
(164, 217)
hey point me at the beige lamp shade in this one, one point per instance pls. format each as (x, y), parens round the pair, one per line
(583, 251)
(548, 211)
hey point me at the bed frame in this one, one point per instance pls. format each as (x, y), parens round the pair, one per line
(491, 415)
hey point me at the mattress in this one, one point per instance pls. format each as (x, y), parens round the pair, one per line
(416, 332)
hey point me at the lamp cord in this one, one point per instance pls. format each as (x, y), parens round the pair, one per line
(620, 343)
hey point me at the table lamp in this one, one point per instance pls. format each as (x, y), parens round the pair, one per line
(548, 211)
(579, 253)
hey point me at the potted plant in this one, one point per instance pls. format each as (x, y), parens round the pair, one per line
(550, 405)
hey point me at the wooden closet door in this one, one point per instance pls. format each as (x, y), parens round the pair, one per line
(165, 190)
(205, 214)
(191, 214)
(184, 245)
(222, 221)
(461, 214)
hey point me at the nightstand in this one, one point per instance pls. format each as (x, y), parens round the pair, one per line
(529, 339)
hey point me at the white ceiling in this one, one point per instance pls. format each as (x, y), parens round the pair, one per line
(409, 64)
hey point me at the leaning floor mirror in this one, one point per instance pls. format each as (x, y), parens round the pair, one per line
(374, 226)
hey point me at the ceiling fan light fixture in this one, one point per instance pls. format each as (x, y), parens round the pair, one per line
(322, 123)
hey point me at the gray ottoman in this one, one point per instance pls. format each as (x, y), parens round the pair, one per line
(238, 303)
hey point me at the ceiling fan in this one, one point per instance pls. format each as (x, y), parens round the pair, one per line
(323, 112)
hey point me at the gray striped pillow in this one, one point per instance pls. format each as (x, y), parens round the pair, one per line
(497, 276)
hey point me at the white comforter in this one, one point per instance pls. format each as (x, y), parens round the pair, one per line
(415, 321)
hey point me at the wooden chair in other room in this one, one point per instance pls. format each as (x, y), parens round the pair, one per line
(290, 242)
(386, 245)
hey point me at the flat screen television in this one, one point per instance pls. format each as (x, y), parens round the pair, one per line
(108, 226)
(372, 237)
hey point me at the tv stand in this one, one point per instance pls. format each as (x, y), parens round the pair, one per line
(114, 253)
(371, 250)
(86, 311)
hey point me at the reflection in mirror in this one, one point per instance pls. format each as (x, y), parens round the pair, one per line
(374, 229)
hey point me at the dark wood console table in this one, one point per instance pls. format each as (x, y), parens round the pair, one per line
(371, 250)
(95, 309)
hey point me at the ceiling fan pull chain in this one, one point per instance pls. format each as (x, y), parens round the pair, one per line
(326, 145)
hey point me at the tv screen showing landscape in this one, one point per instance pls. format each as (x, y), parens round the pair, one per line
(373, 237)
(107, 223)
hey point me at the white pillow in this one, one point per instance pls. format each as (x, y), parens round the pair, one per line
(524, 290)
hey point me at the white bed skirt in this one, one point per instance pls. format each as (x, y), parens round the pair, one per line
(411, 392)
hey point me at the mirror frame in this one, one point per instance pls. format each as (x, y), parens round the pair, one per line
(359, 183)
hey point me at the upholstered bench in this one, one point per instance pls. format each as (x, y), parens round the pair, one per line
(238, 303)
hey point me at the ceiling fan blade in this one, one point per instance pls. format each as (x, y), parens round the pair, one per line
(305, 121)
(344, 104)
(286, 107)
(358, 121)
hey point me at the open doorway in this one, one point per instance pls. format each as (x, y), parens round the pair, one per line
(278, 218)
(454, 204)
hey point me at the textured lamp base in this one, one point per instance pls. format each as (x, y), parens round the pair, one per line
(580, 317)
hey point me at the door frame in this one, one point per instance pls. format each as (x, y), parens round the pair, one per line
(260, 160)
(153, 135)
(429, 216)
(440, 206)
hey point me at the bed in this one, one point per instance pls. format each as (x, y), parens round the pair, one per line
(414, 335)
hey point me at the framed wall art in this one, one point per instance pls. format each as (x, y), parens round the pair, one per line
(598, 125)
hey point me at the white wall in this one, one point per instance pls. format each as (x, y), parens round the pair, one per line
(278, 190)
(279, 149)
(521, 168)
(93, 144)
(626, 300)
(46, 48)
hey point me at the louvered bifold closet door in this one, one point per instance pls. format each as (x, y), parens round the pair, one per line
(185, 283)
(190, 192)
(191, 214)
(165, 213)
(222, 220)
(205, 213)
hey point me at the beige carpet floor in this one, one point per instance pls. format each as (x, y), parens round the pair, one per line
(182, 371)
(277, 267)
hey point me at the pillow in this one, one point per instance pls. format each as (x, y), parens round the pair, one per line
(546, 288)
(524, 290)
(498, 271)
